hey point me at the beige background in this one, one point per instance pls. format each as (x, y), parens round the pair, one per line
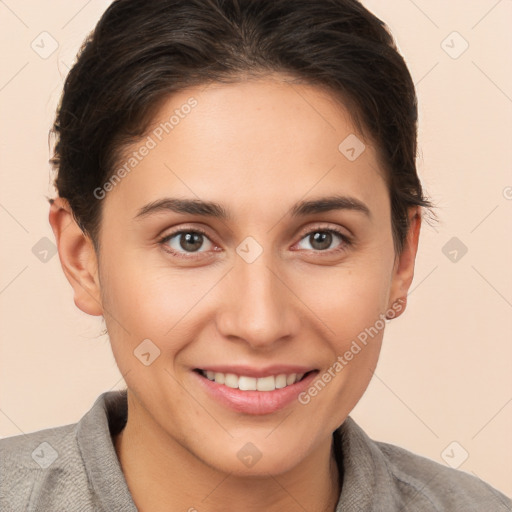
(446, 366)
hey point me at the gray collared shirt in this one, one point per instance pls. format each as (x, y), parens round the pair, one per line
(75, 468)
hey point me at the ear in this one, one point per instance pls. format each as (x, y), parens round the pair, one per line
(77, 257)
(403, 270)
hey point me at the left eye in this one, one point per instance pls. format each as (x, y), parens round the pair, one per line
(321, 239)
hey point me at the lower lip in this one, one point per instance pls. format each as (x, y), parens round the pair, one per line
(254, 402)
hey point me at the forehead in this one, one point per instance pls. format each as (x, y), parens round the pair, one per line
(251, 144)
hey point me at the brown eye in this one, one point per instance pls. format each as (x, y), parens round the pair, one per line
(324, 240)
(320, 240)
(190, 241)
(186, 242)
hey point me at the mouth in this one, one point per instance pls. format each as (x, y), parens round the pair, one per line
(259, 393)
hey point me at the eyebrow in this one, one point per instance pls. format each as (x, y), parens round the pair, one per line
(216, 210)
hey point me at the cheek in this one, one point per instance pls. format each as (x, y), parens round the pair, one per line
(150, 300)
(353, 308)
(348, 298)
(351, 301)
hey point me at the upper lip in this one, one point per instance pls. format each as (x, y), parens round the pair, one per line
(251, 371)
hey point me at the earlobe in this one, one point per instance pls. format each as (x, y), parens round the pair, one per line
(403, 272)
(77, 257)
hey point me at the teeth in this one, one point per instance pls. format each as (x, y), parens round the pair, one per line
(291, 378)
(280, 381)
(245, 383)
(231, 380)
(266, 383)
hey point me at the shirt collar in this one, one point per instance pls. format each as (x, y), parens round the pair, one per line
(367, 480)
(94, 436)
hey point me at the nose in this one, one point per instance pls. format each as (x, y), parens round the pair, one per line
(259, 306)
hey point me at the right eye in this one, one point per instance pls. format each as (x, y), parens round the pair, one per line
(185, 241)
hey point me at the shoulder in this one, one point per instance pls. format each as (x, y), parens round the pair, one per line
(381, 476)
(444, 487)
(46, 459)
(71, 467)
(12, 447)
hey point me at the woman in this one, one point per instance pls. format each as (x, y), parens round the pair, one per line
(238, 198)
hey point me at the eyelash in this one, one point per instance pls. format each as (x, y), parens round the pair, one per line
(346, 241)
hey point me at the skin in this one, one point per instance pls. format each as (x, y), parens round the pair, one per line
(256, 147)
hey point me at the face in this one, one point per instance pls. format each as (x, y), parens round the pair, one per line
(286, 272)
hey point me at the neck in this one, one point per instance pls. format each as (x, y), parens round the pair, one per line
(160, 471)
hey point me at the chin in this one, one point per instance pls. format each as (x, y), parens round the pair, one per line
(254, 458)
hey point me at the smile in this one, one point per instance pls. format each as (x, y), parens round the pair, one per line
(264, 392)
